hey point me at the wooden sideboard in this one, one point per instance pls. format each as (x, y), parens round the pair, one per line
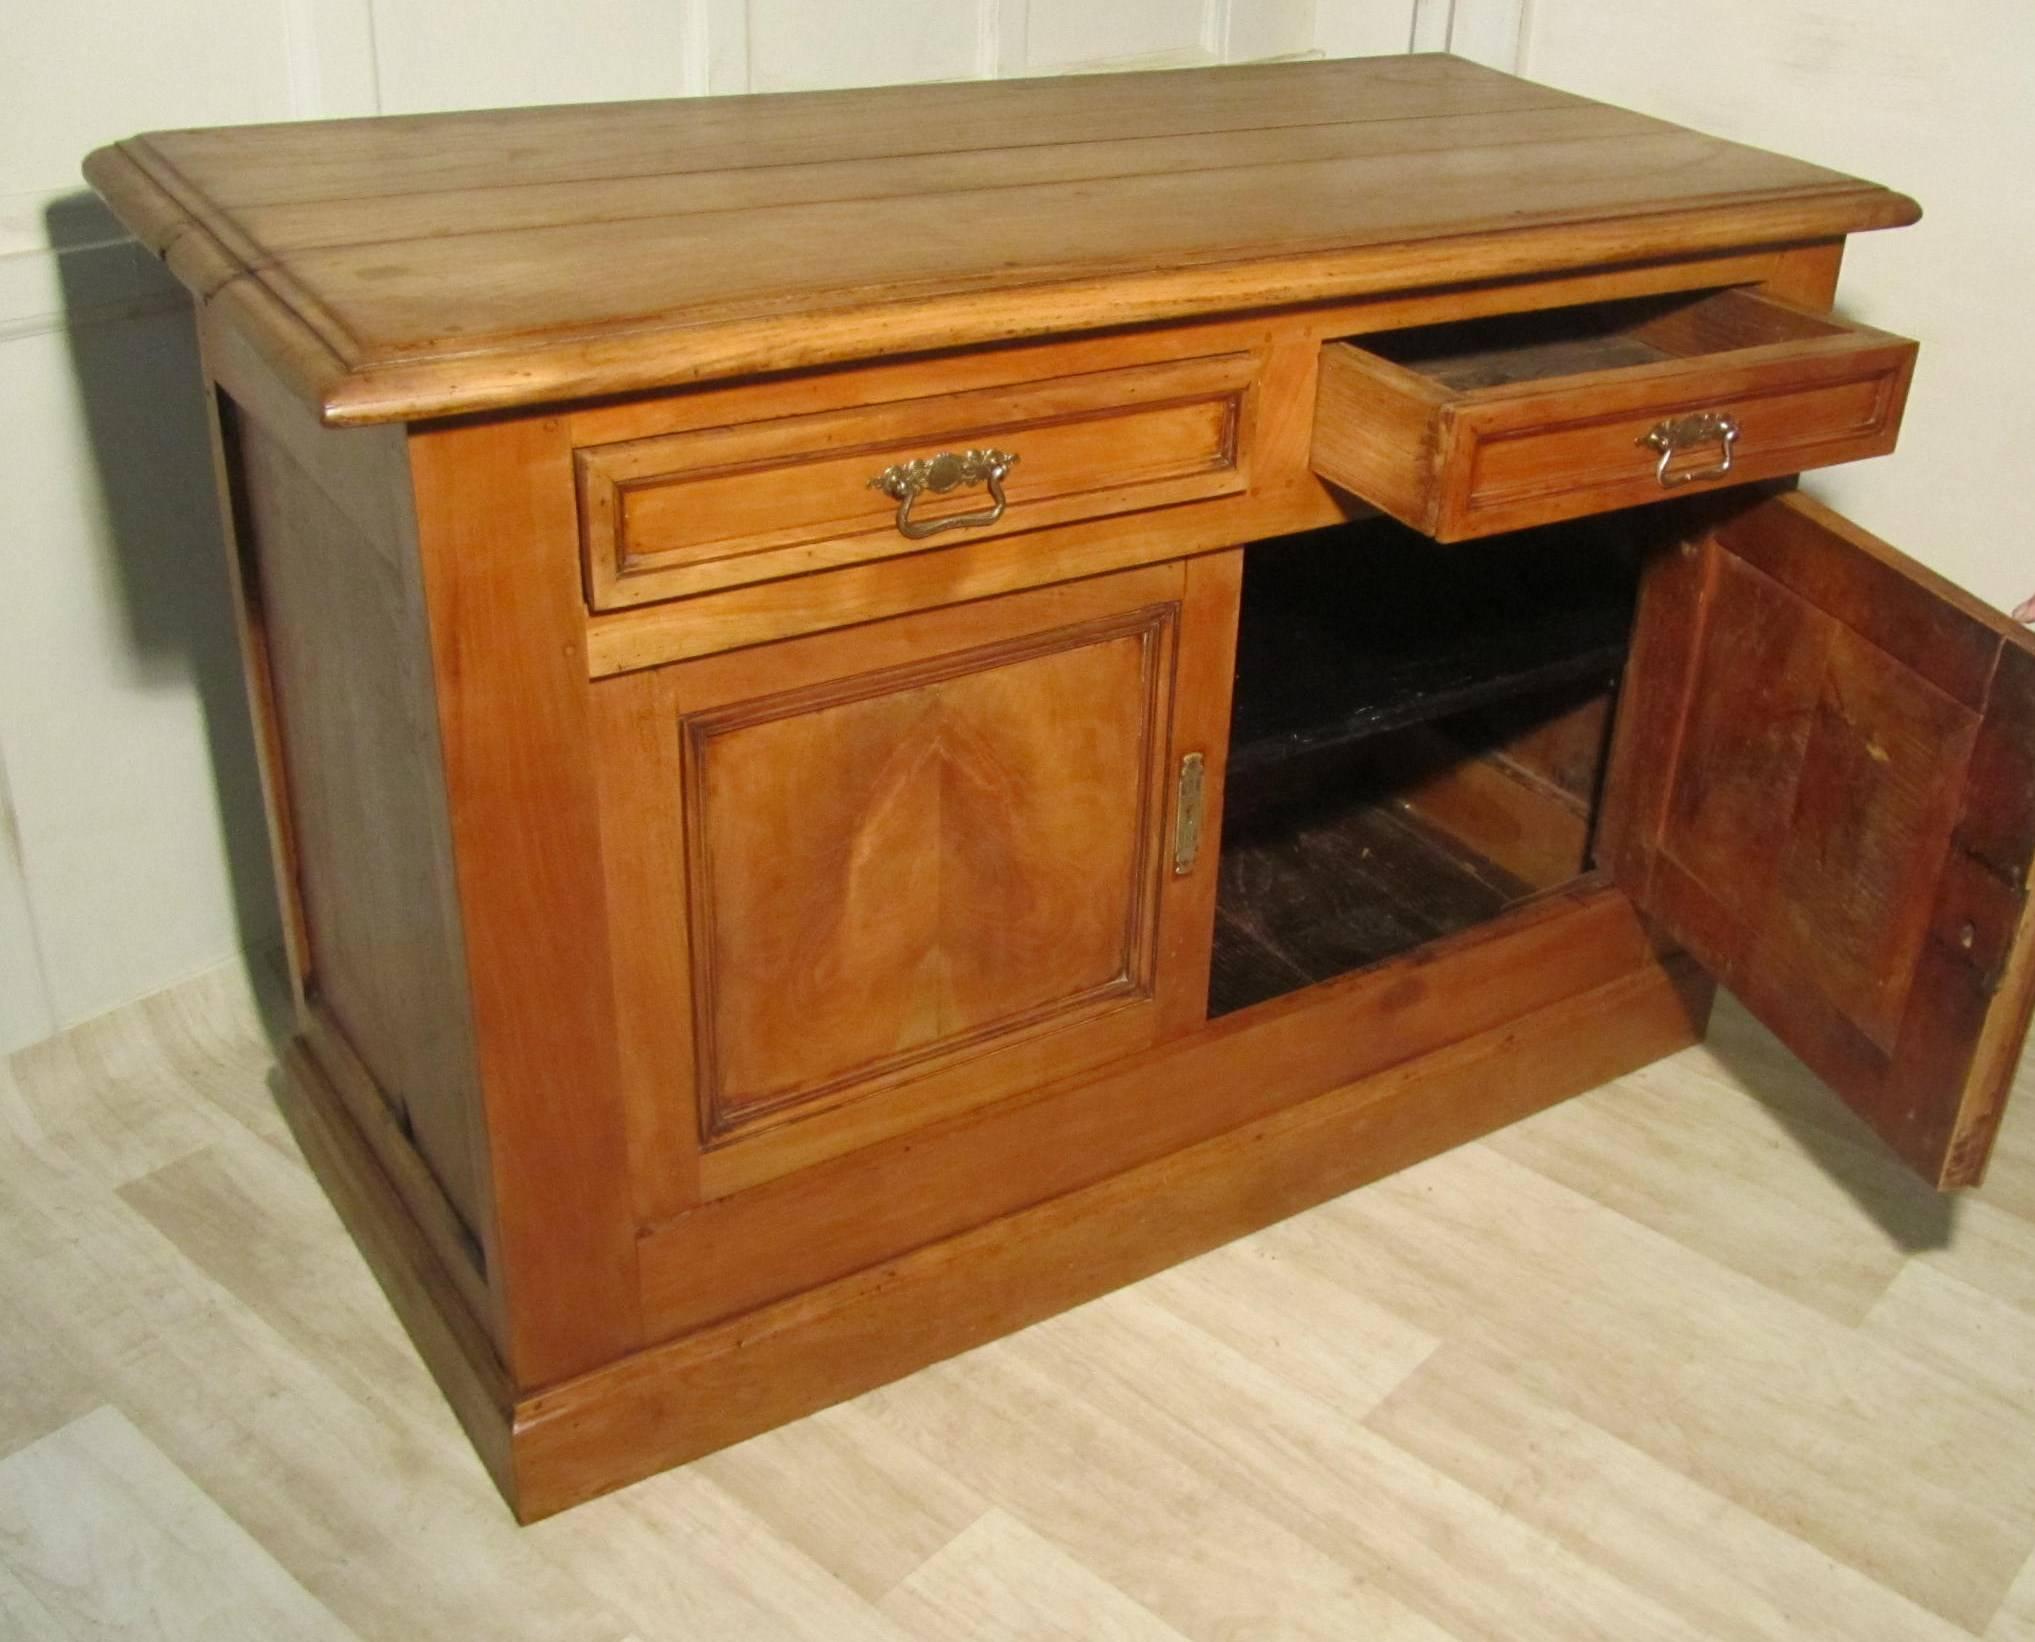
(884, 710)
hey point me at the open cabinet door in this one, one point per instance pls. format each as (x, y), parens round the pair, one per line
(1823, 787)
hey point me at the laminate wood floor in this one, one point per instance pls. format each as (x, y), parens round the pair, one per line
(1675, 1360)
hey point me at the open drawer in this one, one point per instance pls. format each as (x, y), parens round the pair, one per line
(1466, 429)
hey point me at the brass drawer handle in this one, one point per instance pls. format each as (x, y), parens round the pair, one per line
(940, 474)
(1681, 433)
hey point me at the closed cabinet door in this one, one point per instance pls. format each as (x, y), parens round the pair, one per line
(1823, 786)
(864, 880)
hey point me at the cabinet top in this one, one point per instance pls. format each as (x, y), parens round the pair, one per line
(401, 268)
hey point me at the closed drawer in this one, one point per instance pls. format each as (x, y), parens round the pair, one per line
(1462, 430)
(690, 512)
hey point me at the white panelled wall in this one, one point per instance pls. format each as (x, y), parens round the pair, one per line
(131, 849)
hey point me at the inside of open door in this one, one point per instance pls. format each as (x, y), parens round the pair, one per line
(1822, 785)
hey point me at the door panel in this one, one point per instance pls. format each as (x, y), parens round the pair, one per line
(902, 867)
(884, 874)
(1823, 785)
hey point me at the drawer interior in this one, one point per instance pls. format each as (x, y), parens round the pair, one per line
(1417, 742)
(1474, 355)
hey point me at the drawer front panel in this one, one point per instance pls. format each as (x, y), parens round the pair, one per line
(1463, 431)
(688, 513)
(1790, 416)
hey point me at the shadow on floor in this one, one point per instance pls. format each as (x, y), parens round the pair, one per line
(1913, 1215)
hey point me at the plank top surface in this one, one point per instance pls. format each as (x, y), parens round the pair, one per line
(428, 265)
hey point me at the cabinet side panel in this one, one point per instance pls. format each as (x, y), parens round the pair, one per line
(341, 608)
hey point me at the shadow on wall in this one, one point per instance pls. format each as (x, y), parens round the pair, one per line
(146, 405)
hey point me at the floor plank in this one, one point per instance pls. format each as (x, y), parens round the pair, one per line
(1000, 1582)
(685, 1560)
(870, 1509)
(107, 1538)
(1683, 1149)
(1135, 1508)
(1661, 1533)
(1414, 1534)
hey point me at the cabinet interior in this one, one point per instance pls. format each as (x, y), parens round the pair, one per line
(1417, 744)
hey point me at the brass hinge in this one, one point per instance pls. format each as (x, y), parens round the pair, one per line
(1187, 816)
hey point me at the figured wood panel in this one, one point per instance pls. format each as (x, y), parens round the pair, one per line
(1814, 793)
(720, 506)
(918, 864)
(649, 244)
(862, 881)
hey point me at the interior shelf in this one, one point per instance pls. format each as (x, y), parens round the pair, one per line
(1365, 628)
(1418, 741)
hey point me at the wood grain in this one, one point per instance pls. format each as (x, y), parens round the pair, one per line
(1334, 886)
(833, 1002)
(701, 262)
(898, 872)
(1465, 431)
(358, 733)
(495, 529)
(643, 797)
(1501, 811)
(322, 533)
(104, 1536)
(1813, 802)
(719, 507)
(1284, 496)
(908, 868)
(414, 1276)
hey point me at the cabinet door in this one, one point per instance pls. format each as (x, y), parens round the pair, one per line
(890, 872)
(1823, 786)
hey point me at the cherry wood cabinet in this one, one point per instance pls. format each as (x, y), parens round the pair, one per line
(885, 710)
